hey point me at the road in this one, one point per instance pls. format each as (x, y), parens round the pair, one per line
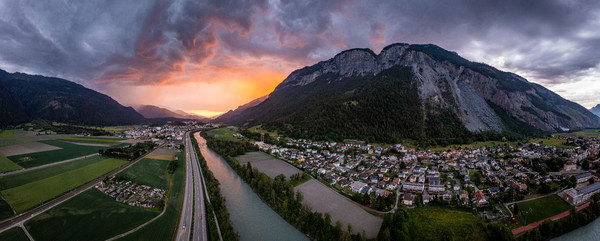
(22, 218)
(193, 203)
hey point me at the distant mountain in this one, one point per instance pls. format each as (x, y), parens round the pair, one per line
(38, 97)
(596, 110)
(151, 111)
(232, 113)
(409, 91)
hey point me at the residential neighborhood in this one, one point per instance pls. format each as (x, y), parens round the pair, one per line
(131, 193)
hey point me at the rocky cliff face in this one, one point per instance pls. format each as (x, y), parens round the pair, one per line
(482, 97)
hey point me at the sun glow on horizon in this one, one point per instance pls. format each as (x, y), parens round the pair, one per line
(205, 113)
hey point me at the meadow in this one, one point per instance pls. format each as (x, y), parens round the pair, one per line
(14, 234)
(22, 178)
(92, 140)
(151, 172)
(91, 215)
(68, 151)
(223, 133)
(164, 227)
(27, 196)
(539, 209)
(15, 132)
(440, 223)
(7, 165)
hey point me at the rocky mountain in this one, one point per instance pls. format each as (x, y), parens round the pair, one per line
(410, 91)
(596, 110)
(38, 97)
(151, 111)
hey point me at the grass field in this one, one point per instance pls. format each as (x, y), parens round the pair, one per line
(437, 223)
(539, 209)
(25, 197)
(14, 234)
(15, 132)
(223, 133)
(164, 227)
(551, 142)
(22, 178)
(7, 165)
(5, 210)
(91, 215)
(69, 151)
(583, 133)
(151, 172)
(93, 140)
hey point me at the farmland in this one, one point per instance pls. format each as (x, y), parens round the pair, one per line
(164, 227)
(15, 132)
(14, 234)
(7, 165)
(325, 200)
(18, 179)
(151, 172)
(91, 215)
(93, 140)
(26, 148)
(5, 210)
(34, 193)
(440, 223)
(539, 209)
(68, 151)
(268, 164)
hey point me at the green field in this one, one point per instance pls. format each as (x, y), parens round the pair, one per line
(5, 210)
(164, 227)
(539, 209)
(437, 223)
(69, 151)
(92, 140)
(583, 133)
(151, 172)
(25, 197)
(14, 234)
(15, 132)
(23, 178)
(551, 142)
(223, 133)
(7, 165)
(91, 215)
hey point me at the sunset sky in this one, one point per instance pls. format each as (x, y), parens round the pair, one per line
(208, 57)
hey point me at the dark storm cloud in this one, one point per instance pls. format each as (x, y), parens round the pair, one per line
(150, 42)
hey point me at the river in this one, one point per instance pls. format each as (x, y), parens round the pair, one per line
(250, 216)
(589, 232)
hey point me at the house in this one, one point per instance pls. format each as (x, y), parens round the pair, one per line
(575, 197)
(357, 186)
(412, 186)
(408, 199)
(570, 166)
(382, 192)
(481, 201)
(447, 196)
(494, 191)
(463, 195)
(584, 177)
(427, 198)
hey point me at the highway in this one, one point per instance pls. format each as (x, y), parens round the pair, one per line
(193, 200)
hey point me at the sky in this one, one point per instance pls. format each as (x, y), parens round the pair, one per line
(210, 56)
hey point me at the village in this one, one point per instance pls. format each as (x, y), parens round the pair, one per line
(471, 177)
(130, 193)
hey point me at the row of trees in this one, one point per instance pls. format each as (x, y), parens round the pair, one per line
(279, 194)
(217, 202)
(129, 152)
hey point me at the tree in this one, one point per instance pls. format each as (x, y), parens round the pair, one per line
(586, 164)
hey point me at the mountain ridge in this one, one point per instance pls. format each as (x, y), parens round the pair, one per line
(60, 100)
(482, 97)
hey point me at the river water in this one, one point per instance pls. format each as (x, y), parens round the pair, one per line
(250, 216)
(589, 232)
